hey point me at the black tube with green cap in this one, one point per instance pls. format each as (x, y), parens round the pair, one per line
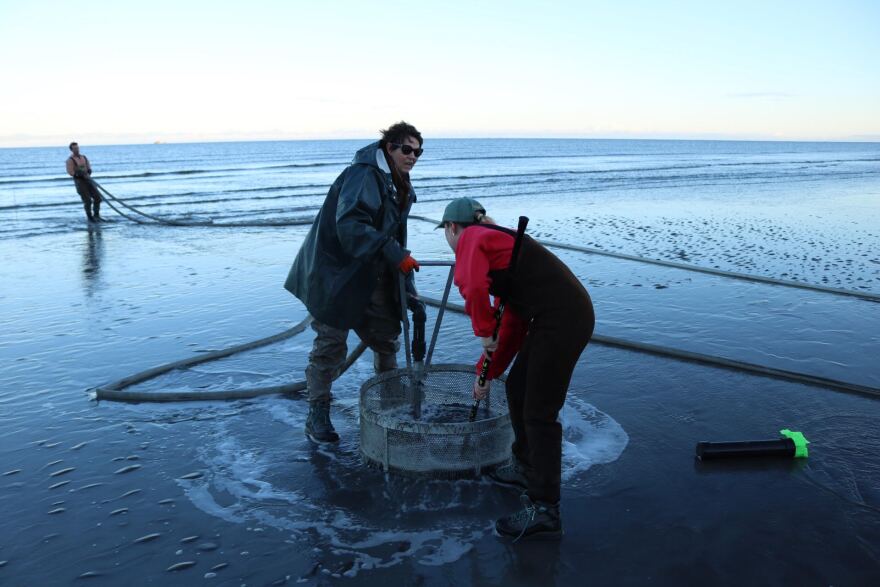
(791, 445)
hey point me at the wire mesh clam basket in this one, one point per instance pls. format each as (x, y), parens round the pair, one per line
(418, 423)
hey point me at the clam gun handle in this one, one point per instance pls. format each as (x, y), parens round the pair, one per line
(484, 372)
(791, 445)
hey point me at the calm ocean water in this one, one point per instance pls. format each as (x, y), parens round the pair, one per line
(268, 180)
(83, 307)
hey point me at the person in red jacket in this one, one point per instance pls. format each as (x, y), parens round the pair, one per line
(547, 322)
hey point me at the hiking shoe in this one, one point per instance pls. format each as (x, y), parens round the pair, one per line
(535, 520)
(318, 426)
(512, 474)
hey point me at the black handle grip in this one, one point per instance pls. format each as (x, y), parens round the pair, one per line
(782, 447)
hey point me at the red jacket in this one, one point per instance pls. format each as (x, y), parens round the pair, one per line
(479, 251)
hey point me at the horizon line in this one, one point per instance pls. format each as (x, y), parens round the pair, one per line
(867, 139)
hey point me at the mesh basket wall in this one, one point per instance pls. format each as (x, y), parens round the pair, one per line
(441, 441)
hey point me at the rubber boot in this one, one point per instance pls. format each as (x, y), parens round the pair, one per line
(384, 362)
(318, 426)
(96, 207)
(535, 520)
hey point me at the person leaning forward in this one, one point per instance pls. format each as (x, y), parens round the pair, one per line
(547, 322)
(346, 271)
(79, 168)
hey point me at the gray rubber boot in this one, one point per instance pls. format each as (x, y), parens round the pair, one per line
(384, 362)
(318, 426)
(535, 520)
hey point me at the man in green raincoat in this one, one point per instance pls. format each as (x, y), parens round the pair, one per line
(347, 270)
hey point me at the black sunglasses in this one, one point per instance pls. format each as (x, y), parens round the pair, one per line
(406, 149)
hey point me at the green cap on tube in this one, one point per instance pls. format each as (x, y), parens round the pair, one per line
(800, 442)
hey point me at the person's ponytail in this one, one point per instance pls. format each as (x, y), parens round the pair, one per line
(481, 218)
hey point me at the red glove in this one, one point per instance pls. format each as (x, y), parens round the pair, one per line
(408, 264)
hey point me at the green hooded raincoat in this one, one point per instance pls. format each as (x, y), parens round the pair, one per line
(360, 227)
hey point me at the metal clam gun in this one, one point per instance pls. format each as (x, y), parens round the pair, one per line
(416, 361)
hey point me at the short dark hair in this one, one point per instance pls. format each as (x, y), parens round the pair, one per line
(397, 133)
(71, 145)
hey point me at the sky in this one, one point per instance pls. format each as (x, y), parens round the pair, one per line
(119, 72)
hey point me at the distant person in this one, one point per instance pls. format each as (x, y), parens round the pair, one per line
(346, 271)
(79, 168)
(547, 322)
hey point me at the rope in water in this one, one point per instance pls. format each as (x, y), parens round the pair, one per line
(115, 209)
(116, 391)
(552, 244)
(732, 274)
(711, 360)
(171, 222)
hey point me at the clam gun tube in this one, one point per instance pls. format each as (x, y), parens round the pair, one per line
(791, 445)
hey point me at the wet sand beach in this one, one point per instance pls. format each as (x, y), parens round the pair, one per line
(232, 493)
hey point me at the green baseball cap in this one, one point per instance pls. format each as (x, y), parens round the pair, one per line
(462, 211)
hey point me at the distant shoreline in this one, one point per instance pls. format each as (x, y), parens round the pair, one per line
(163, 142)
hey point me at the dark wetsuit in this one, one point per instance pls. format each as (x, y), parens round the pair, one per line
(88, 193)
(550, 314)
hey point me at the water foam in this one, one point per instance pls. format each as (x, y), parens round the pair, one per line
(432, 522)
(589, 437)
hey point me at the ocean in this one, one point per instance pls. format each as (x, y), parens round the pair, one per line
(115, 492)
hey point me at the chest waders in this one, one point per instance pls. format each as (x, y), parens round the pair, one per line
(81, 171)
(88, 193)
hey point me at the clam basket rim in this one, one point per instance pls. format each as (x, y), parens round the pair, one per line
(480, 424)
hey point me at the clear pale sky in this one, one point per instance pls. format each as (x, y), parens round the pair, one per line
(105, 72)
